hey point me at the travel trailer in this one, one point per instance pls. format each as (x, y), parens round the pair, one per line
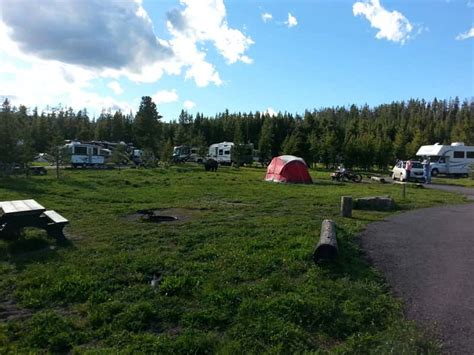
(184, 153)
(221, 152)
(230, 153)
(454, 159)
(86, 155)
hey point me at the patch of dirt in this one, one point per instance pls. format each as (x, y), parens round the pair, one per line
(9, 311)
(181, 215)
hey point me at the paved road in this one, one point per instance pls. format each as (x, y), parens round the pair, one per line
(427, 256)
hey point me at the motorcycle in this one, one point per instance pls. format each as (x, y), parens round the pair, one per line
(346, 175)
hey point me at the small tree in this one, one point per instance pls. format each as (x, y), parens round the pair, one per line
(200, 143)
(167, 152)
(149, 159)
(119, 155)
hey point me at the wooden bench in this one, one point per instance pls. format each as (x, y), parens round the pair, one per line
(16, 215)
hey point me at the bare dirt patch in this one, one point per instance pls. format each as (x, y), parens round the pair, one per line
(169, 215)
(10, 311)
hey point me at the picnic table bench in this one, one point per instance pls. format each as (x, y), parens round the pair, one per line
(16, 215)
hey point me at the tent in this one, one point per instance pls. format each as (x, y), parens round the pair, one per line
(288, 168)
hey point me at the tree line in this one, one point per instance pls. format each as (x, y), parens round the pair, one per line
(361, 137)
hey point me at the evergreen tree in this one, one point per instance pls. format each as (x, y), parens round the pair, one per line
(266, 141)
(147, 128)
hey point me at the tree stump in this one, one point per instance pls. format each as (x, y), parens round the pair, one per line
(326, 249)
(346, 206)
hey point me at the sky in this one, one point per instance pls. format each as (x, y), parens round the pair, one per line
(242, 55)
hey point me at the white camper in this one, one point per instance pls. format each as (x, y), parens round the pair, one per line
(454, 159)
(221, 152)
(83, 155)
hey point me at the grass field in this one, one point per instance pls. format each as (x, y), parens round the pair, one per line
(465, 182)
(236, 273)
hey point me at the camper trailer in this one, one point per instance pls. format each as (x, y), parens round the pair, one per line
(184, 153)
(221, 152)
(86, 155)
(454, 159)
(230, 153)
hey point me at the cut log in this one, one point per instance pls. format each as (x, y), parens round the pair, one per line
(378, 179)
(377, 203)
(326, 249)
(346, 206)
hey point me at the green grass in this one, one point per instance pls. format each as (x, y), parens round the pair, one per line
(237, 272)
(465, 182)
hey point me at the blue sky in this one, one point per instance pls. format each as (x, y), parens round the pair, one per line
(209, 55)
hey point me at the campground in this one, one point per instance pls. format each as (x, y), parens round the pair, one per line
(235, 270)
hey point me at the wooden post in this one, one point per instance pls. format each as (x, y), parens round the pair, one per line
(326, 249)
(404, 188)
(346, 206)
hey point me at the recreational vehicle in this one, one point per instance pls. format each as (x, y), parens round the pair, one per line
(454, 159)
(221, 152)
(184, 153)
(86, 155)
(230, 153)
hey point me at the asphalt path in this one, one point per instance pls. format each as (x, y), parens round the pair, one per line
(427, 257)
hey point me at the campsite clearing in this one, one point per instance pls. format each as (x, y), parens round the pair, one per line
(237, 276)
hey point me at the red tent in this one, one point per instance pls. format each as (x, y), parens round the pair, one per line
(288, 168)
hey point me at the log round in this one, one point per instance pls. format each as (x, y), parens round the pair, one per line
(326, 249)
(346, 206)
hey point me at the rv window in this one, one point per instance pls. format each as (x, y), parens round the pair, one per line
(470, 155)
(442, 160)
(221, 151)
(80, 150)
(227, 152)
(95, 151)
(459, 155)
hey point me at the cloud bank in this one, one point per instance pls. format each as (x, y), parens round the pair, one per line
(93, 33)
(76, 42)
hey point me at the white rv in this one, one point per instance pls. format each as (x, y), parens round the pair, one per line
(221, 152)
(454, 159)
(83, 155)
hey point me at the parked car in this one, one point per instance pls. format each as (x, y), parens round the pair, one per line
(399, 172)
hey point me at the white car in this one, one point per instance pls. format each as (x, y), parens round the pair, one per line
(399, 172)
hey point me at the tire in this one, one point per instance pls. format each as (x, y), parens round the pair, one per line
(434, 172)
(357, 178)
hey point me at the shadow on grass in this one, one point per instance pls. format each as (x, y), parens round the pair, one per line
(31, 185)
(32, 248)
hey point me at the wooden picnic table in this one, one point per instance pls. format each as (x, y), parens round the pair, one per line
(16, 215)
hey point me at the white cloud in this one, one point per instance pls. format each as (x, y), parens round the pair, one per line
(392, 25)
(70, 45)
(267, 17)
(201, 22)
(466, 35)
(270, 111)
(115, 87)
(165, 97)
(90, 34)
(291, 22)
(189, 105)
